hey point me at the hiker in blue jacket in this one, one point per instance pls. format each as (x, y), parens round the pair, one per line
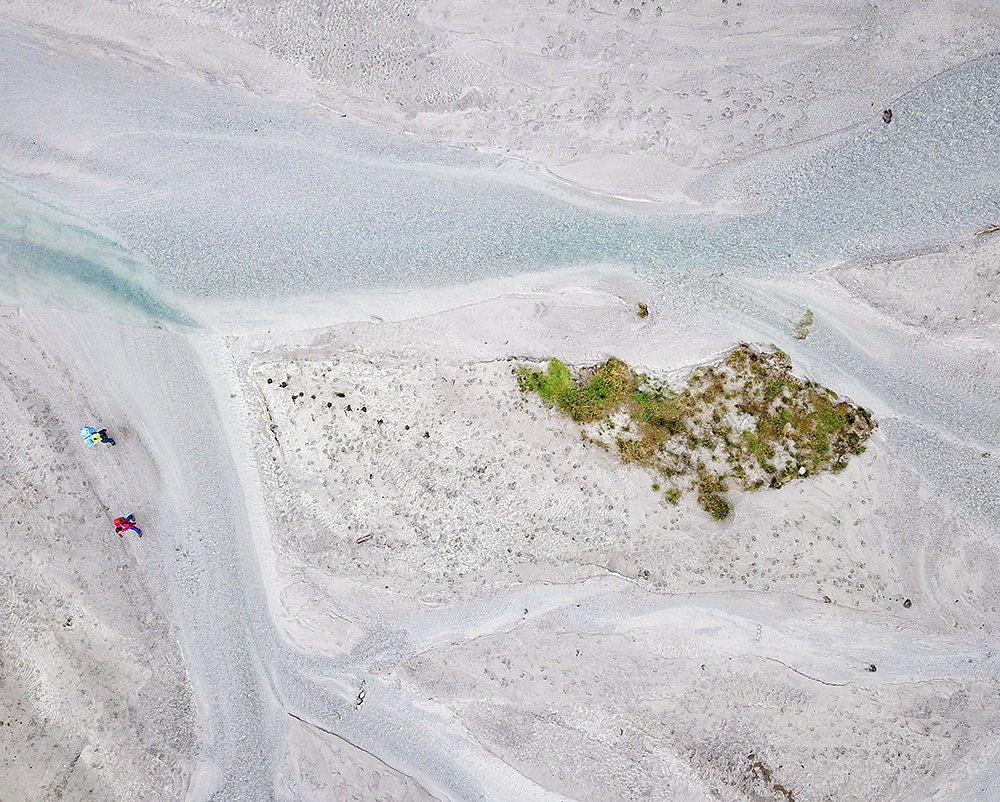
(92, 436)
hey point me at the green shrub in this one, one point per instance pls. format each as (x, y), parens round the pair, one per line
(710, 490)
(602, 394)
(802, 327)
(633, 450)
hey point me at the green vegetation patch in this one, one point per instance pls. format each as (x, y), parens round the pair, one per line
(802, 327)
(589, 396)
(746, 419)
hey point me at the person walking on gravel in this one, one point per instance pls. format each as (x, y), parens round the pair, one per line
(92, 436)
(122, 525)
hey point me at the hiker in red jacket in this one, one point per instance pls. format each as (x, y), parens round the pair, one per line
(122, 525)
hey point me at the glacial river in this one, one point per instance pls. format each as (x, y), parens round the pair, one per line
(135, 178)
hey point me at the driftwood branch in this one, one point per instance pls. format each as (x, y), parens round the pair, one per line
(989, 230)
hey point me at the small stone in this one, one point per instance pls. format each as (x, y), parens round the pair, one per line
(887, 115)
(907, 603)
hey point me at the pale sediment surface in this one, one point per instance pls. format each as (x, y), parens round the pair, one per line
(371, 568)
(660, 86)
(96, 701)
(780, 612)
